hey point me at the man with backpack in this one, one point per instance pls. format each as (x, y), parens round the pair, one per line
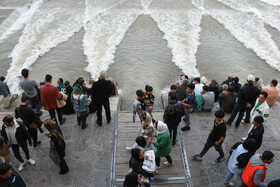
(172, 115)
(239, 157)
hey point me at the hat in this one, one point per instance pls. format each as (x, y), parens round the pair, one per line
(4, 168)
(251, 78)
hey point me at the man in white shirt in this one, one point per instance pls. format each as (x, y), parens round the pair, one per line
(16, 135)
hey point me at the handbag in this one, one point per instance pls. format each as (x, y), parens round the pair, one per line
(61, 102)
(33, 125)
(53, 154)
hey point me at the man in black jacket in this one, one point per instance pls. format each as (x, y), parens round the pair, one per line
(101, 91)
(246, 100)
(29, 119)
(15, 133)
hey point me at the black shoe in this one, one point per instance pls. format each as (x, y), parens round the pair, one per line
(108, 121)
(63, 121)
(37, 144)
(85, 126)
(99, 123)
(63, 172)
(185, 128)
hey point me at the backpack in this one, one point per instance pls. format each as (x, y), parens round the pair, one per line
(173, 112)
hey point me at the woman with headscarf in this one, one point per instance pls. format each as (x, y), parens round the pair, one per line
(136, 163)
(80, 103)
(68, 108)
(163, 143)
(57, 142)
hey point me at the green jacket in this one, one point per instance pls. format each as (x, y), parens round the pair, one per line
(163, 144)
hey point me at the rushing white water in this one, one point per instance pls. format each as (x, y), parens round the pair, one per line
(251, 32)
(38, 38)
(103, 33)
(181, 30)
(267, 13)
(272, 2)
(18, 19)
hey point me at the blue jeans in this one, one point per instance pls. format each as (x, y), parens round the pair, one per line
(237, 108)
(229, 176)
(82, 121)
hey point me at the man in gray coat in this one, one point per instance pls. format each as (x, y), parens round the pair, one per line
(208, 99)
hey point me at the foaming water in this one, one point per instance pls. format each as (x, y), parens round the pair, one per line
(181, 30)
(250, 31)
(103, 33)
(143, 58)
(219, 50)
(38, 38)
(18, 19)
(272, 2)
(265, 12)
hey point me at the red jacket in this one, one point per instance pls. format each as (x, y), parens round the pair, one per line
(49, 93)
(249, 173)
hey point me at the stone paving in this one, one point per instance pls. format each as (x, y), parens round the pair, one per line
(89, 152)
(209, 173)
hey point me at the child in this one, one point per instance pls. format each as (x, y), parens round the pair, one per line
(138, 105)
(190, 104)
(149, 99)
(163, 143)
(4, 151)
(173, 88)
(215, 138)
(149, 162)
(149, 165)
(147, 129)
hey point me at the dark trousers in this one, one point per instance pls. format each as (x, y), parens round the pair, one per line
(63, 165)
(248, 112)
(35, 102)
(167, 157)
(15, 149)
(34, 135)
(59, 113)
(82, 121)
(237, 108)
(106, 105)
(209, 143)
(173, 131)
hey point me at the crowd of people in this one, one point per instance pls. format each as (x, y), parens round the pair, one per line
(251, 102)
(59, 100)
(157, 137)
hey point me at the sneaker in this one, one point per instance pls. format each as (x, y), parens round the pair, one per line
(219, 159)
(157, 167)
(20, 168)
(243, 138)
(197, 157)
(228, 184)
(244, 123)
(185, 128)
(32, 162)
(128, 148)
(166, 163)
